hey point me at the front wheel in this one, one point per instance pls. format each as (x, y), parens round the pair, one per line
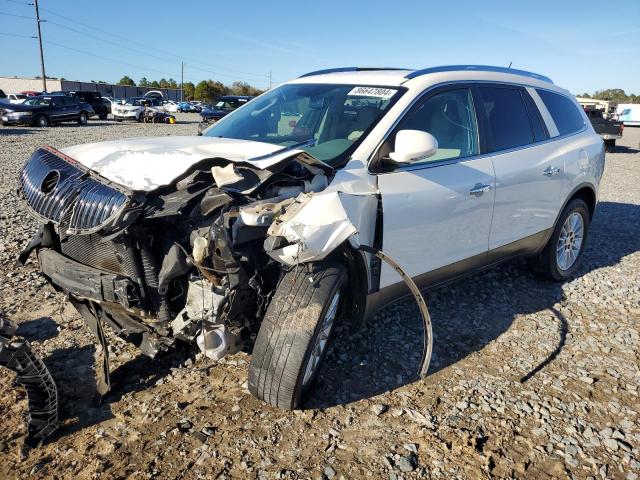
(42, 121)
(559, 259)
(295, 333)
(82, 119)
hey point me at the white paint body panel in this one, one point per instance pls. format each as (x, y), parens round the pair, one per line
(149, 163)
(430, 218)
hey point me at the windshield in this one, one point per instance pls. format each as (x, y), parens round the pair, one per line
(331, 119)
(38, 101)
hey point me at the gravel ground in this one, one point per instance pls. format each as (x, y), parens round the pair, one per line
(529, 379)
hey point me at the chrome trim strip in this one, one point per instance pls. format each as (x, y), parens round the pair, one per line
(85, 201)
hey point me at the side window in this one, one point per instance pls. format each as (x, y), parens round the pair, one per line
(507, 118)
(69, 101)
(563, 111)
(57, 102)
(450, 117)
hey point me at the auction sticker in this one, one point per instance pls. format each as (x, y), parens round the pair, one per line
(372, 92)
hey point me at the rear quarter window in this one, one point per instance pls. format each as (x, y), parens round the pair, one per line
(564, 112)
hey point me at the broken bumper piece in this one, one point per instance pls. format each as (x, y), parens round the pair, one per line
(86, 282)
(33, 375)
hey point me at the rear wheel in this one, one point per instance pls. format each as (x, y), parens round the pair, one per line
(103, 116)
(294, 334)
(82, 119)
(560, 257)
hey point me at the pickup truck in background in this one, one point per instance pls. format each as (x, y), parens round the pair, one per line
(610, 130)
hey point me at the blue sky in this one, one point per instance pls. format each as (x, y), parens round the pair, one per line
(582, 45)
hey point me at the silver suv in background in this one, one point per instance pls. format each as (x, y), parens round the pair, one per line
(267, 229)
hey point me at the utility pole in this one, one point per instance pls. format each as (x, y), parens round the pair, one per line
(44, 75)
(182, 84)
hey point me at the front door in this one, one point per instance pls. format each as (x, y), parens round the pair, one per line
(437, 213)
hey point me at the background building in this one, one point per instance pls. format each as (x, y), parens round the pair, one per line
(17, 85)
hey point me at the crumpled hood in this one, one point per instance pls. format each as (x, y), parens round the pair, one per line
(148, 163)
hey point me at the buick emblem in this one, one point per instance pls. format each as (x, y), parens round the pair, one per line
(50, 182)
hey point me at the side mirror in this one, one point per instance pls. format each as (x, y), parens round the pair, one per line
(413, 146)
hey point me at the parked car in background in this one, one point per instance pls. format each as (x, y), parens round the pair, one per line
(629, 114)
(221, 107)
(256, 230)
(170, 106)
(16, 97)
(3, 97)
(133, 108)
(196, 106)
(32, 93)
(44, 110)
(609, 130)
(186, 107)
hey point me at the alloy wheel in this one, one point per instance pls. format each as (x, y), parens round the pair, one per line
(570, 241)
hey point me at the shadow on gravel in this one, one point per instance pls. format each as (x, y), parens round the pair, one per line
(16, 131)
(623, 149)
(38, 330)
(73, 370)
(466, 316)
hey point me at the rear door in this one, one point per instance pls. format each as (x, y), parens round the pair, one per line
(529, 169)
(437, 213)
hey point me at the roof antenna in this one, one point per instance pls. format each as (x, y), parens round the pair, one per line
(510, 63)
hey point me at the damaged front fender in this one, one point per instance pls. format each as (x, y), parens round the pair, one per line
(315, 224)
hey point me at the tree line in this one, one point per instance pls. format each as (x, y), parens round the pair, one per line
(206, 90)
(617, 95)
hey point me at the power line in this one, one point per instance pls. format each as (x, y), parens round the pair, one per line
(92, 54)
(19, 2)
(197, 62)
(17, 35)
(17, 16)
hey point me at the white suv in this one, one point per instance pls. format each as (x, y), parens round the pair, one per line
(261, 232)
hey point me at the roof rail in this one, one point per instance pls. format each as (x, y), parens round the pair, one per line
(349, 69)
(476, 68)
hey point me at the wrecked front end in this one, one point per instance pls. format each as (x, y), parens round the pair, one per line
(185, 261)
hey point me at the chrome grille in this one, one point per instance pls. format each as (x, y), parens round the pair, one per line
(53, 187)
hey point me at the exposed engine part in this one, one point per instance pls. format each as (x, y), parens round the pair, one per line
(33, 375)
(216, 341)
(201, 321)
(422, 305)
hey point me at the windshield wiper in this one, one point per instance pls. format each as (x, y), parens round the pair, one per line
(310, 142)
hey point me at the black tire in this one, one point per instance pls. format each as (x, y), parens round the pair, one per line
(118, 119)
(102, 116)
(610, 145)
(83, 118)
(42, 121)
(545, 264)
(287, 336)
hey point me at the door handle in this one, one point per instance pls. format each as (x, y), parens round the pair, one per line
(551, 171)
(479, 189)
